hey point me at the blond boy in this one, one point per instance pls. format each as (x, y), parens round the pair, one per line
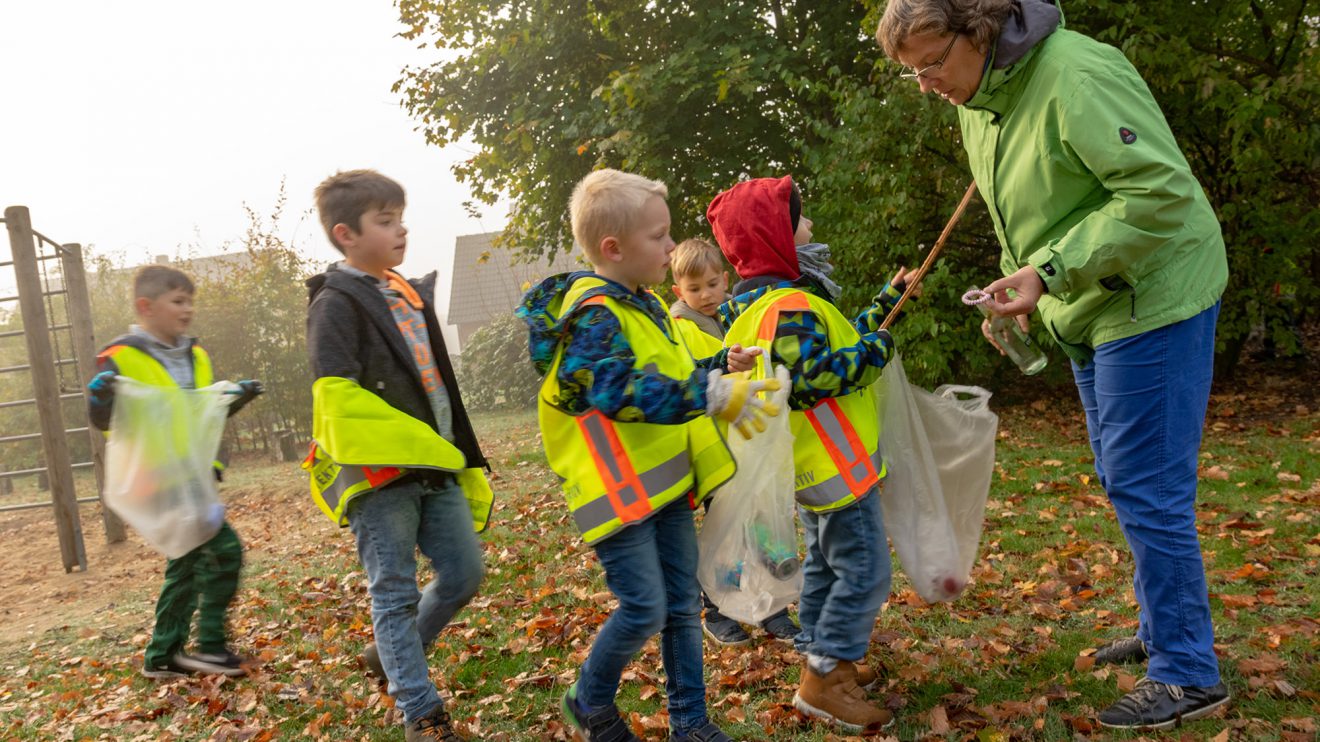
(626, 420)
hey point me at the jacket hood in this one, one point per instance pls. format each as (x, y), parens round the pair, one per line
(754, 229)
(1028, 23)
(361, 287)
(548, 319)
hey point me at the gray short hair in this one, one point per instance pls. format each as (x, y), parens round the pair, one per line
(979, 20)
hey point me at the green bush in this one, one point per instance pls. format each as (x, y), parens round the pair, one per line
(496, 373)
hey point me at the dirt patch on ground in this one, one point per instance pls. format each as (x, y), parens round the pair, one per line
(267, 503)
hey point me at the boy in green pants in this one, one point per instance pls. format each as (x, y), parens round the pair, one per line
(158, 351)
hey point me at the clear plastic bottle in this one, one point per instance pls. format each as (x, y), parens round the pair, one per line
(1016, 343)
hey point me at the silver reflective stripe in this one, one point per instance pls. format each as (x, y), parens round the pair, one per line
(599, 511)
(593, 514)
(600, 440)
(829, 423)
(666, 475)
(835, 488)
(348, 477)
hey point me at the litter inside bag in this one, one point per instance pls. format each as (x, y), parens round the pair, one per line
(749, 564)
(940, 451)
(158, 462)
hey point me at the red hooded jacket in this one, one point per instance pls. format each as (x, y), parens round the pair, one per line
(752, 225)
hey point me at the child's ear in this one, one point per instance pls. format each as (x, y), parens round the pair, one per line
(677, 291)
(343, 233)
(726, 280)
(610, 249)
(142, 305)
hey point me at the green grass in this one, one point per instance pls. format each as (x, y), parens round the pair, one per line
(999, 663)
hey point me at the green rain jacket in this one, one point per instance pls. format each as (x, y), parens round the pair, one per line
(1085, 182)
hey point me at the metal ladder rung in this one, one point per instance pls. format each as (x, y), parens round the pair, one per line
(38, 470)
(16, 333)
(21, 402)
(26, 366)
(33, 436)
(16, 297)
(34, 505)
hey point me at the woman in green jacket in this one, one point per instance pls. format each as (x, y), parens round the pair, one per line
(1107, 233)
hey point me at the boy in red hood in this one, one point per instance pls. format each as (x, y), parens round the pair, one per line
(785, 303)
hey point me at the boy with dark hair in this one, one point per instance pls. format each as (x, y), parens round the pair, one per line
(625, 414)
(394, 455)
(158, 351)
(785, 301)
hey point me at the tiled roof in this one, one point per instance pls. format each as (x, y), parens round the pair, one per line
(488, 282)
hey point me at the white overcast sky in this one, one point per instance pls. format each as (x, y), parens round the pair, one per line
(141, 127)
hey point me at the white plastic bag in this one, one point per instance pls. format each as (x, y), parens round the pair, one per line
(158, 462)
(940, 451)
(749, 564)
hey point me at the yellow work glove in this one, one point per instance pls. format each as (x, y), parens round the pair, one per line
(733, 399)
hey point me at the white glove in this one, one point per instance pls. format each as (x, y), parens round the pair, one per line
(733, 399)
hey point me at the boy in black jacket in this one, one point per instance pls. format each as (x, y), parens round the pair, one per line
(394, 455)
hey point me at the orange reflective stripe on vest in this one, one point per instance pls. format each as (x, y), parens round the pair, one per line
(843, 445)
(623, 487)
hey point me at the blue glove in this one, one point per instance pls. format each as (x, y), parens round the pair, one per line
(249, 389)
(102, 388)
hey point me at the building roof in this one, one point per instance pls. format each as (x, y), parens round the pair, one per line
(489, 281)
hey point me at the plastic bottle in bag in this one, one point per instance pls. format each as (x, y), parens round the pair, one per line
(778, 556)
(1016, 343)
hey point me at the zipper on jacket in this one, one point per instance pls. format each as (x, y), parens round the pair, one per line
(1132, 317)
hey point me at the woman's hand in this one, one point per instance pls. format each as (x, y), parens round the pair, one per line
(1025, 283)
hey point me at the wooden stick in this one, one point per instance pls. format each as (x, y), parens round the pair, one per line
(914, 281)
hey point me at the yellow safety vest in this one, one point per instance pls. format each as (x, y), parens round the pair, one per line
(616, 474)
(836, 443)
(701, 343)
(140, 366)
(361, 443)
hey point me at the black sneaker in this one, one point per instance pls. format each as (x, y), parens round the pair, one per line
(371, 660)
(434, 727)
(1155, 705)
(708, 733)
(724, 631)
(171, 670)
(1122, 652)
(601, 725)
(781, 627)
(216, 663)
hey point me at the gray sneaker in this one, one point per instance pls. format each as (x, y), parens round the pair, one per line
(1122, 651)
(214, 663)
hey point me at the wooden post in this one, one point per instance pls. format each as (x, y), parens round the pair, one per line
(84, 350)
(45, 387)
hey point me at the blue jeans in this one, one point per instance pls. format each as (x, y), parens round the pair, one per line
(390, 525)
(845, 579)
(1145, 399)
(638, 561)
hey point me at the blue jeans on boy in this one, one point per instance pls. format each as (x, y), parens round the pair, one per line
(638, 561)
(845, 579)
(390, 525)
(1145, 399)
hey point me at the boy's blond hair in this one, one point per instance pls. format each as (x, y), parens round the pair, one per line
(694, 257)
(607, 203)
(151, 281)
(344, 197)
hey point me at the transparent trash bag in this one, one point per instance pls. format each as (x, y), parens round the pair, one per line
(749, 563)
(940, 451)
(159, 462)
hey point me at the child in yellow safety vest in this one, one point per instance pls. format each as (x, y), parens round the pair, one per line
(158, 351)
(394, 456)
(626, 420)
(701, 284)
(785, 303)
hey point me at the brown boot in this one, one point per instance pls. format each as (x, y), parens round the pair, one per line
(867, 677)
(837, 698)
